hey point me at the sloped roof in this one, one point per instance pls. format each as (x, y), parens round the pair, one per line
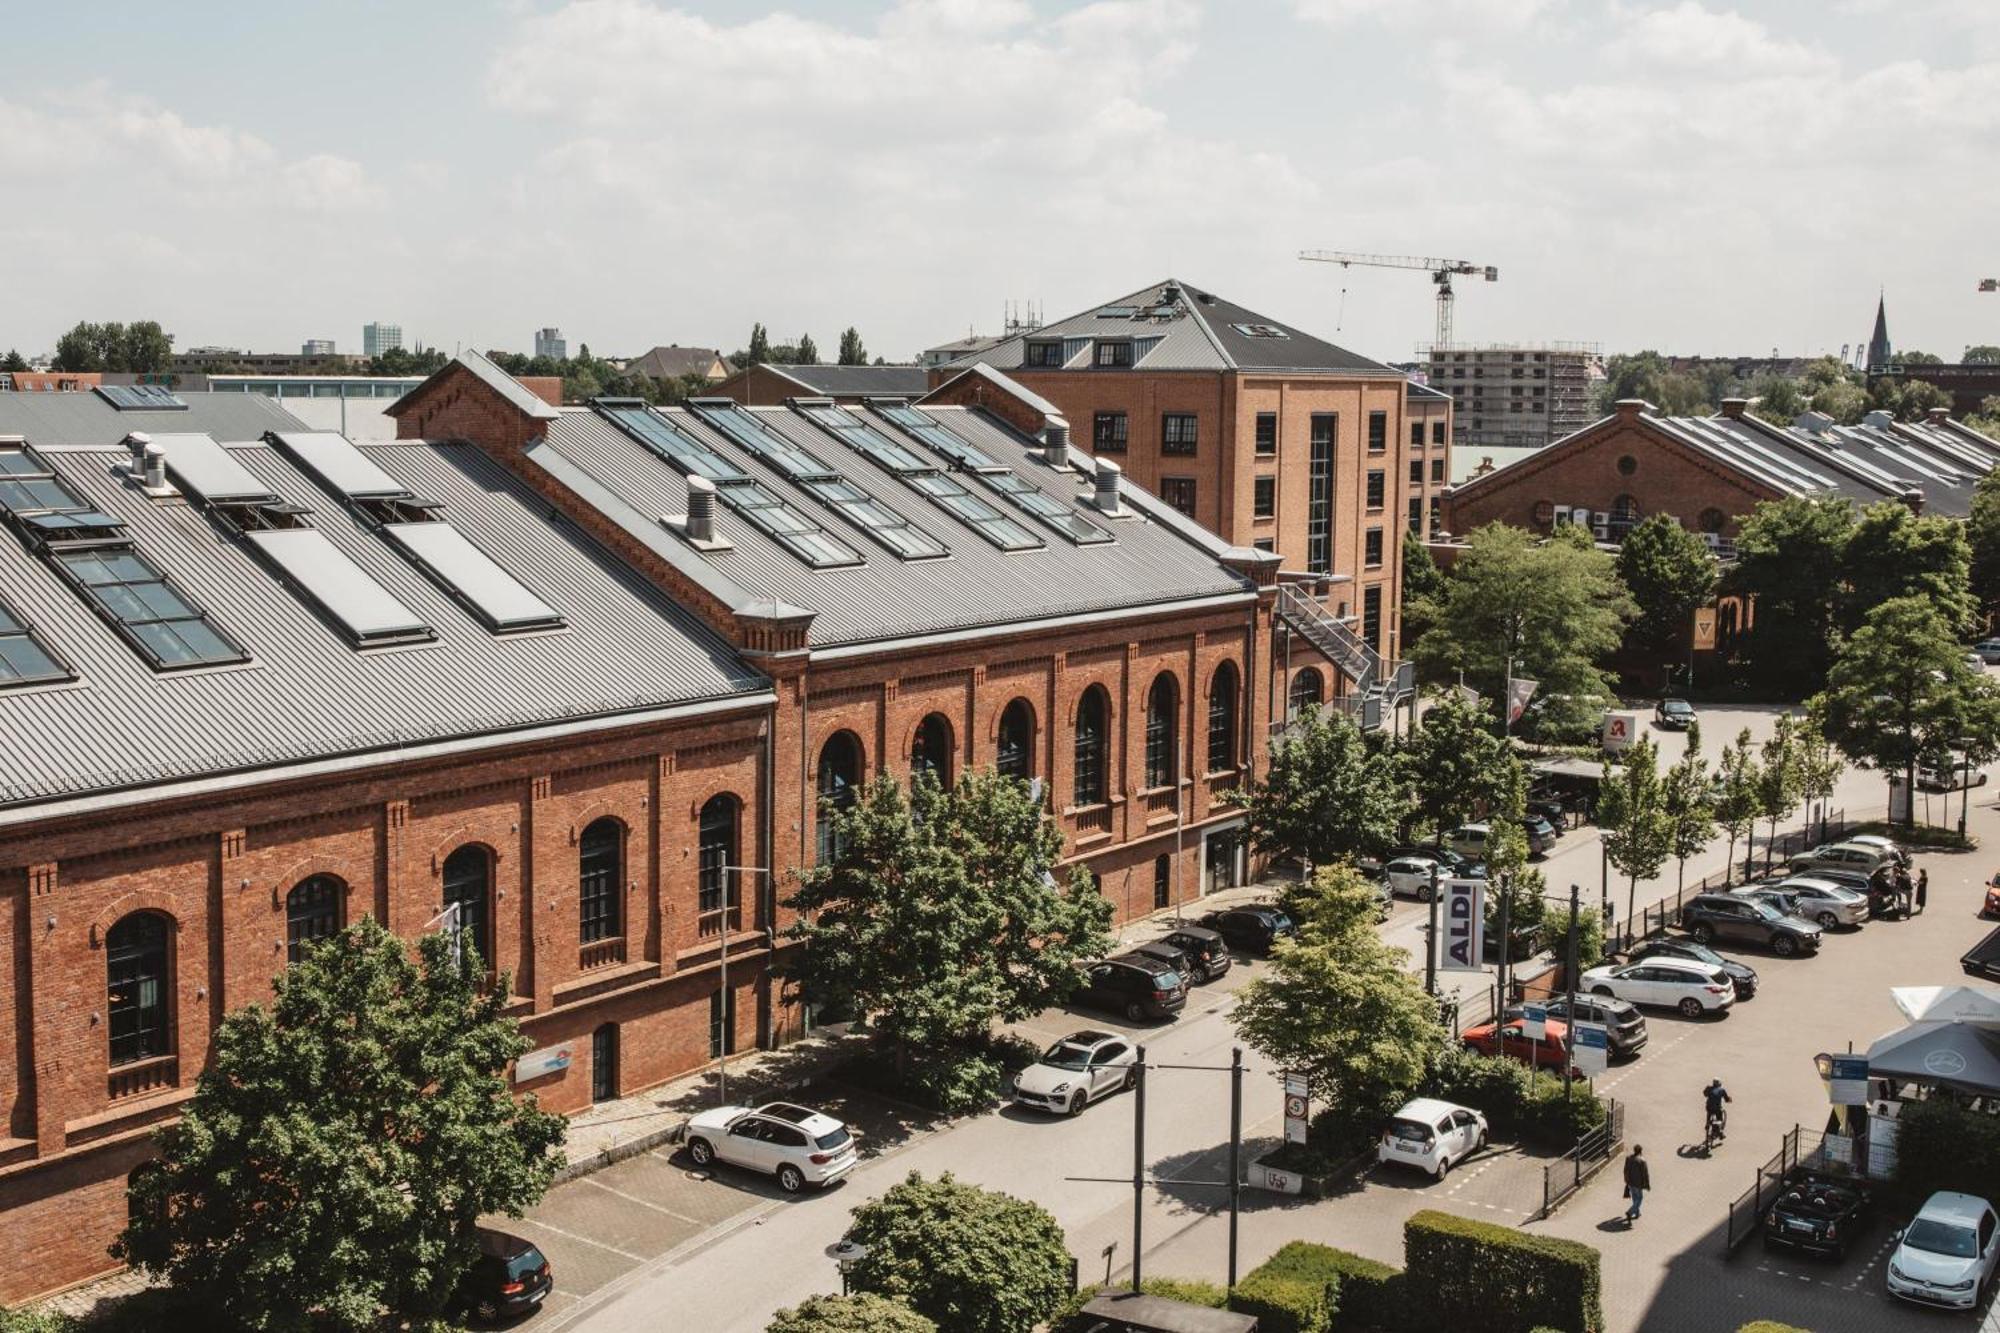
(515, 393)
(857, 381)
(671, 363)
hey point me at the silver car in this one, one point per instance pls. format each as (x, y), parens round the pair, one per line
(1821, 900)
(1076, 1071)
(1842, 856)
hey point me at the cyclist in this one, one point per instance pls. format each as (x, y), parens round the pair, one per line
(1713, 1096)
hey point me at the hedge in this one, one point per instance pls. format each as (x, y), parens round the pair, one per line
(1465, 1274)
(1942, 1146)
(1296, 1290)
(1519, 1103)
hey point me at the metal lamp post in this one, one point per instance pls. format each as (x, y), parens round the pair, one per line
(845, 1255)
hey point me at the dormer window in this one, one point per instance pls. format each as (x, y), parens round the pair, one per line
(1114, 354)
(1045, 354)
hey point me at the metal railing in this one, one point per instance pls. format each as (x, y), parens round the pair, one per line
(1342, 646)
(1664, 911)
(1568, 1173)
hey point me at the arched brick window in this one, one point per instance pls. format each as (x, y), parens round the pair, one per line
(1015, 757)
(1224, 707)
(839, 777)
(312, 912)
(1162, 753)
(600, 880)
(468, 887)
(1093, 723)
(139, 975)
(716, 852)
(1308, 691)
(931, 751)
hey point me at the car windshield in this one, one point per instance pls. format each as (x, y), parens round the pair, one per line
(527, 1261)
(1948, 1238)
(1065, 1056)
(1679, 706)
(1410, 1129)
(1765, 910)
(1280, 921)
(837, 1137)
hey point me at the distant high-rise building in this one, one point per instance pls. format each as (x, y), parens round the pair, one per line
(379, 338)
(316, 347)
(549, 343)
(1521, 394)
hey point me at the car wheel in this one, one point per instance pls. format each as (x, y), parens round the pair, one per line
(790, 1179)
(1828, 920)
(1444, 1167)
(1479, 1144)
(702, 1153)
(1077, 1101)
(1605, 991)
(1703, 932)
(1784, 946)
(1690, 1008)
(1135, 1011)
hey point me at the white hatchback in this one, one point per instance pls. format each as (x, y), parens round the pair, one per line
(1947, 1253)
(797, 1145)
(1669, 983)
(1432, 1136)
(1412, 877)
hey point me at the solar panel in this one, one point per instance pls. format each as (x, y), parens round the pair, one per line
(338, 465)
(471, 577)
(162, 622)
(747, 432)
(205, 470)
(362, 609)
(24, 658)
(682, 451)
(141, 397)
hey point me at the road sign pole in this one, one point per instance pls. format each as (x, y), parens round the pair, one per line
(1139, 1169)
(1235, 1153)
(1430, 937)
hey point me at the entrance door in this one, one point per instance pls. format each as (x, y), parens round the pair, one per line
(1219, 861)
(604, 1063)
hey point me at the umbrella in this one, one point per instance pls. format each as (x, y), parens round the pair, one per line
(1959, 1056)
(1948, 1004)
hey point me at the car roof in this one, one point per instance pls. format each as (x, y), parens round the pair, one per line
(1953, 1206)
(793, 1114)
(499, 1244)
(1153, 946)
(1195, 932)
(1089, 1037)
(1811, 882)
(1427, 1108)
(1685, 964)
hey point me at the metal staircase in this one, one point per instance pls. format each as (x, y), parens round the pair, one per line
(1374, 684)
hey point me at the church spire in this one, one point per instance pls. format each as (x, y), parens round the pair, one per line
(1878, 345)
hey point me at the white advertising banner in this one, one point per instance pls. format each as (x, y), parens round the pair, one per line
(1590, 1048)
(1461, 924)
(539, 1064)
(1534, 1021)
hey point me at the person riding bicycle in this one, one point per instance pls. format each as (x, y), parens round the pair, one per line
(1713, 1096)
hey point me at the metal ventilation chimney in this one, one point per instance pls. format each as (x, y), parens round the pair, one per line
(1055, 444)
(701, 509)
(154, 467)
(1106, 494)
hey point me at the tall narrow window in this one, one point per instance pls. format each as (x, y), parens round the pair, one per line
(600, 864)
(468, 887)
(312, 912)
(1319, 494)
(1162, 704)
(1222, 713)
(716, 853)
(604, 1063)
(1015, 757)
(1093, 717)
(1378, 432)
(930, 752)
(1163, 880)
(1308, 690)
(1378, 489)
(839, 775)
(135, 960)
(1264, 497)
(1416, 514)
(1371, 548)
(1178, 492)
(1267, 433)
(1371, 616)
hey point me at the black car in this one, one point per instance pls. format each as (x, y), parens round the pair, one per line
(1621, 1019)
(1162, 952)
(1742, 975)
(1252, 929)
(1133, 985)
(1206, 950)
(509, 1278)
(1552, 809)
(1724, 916)
(1816, 1211)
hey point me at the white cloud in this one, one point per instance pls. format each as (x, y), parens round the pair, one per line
(1439, 16)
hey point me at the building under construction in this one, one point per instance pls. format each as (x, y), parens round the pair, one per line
(1517, 394)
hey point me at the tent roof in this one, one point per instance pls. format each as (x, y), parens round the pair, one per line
(1949, 1055)
(1948, 1004)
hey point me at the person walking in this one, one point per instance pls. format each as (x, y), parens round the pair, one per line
(1903, 893)
(1637, 1181)
(1923, 888)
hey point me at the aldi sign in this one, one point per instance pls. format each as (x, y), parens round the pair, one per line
(1461, 925)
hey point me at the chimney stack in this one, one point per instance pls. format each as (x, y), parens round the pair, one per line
(1937, 416)
(1106, 494)
(1629, 408)
(701, 509)
(1055, 444)
(1734, 408)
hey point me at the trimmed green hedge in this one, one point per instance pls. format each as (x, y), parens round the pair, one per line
(1368, 1294)
(1284, 1302)
(1465, 1274)
(1519, 1103)
(1943, 1146)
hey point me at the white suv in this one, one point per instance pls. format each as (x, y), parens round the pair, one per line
(1076, 1071)
(1432, 1136)
(1946, 1254)
(798, 1145)
(1671, 983)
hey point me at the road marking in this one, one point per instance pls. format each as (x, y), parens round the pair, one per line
(643, 1203)
(584, 1240)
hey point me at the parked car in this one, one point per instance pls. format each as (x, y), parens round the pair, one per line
(1674, 714)
(1076, 1071)
(1551, 1052)
(1946, 1254)
(1621, 1019)
(1410, 876)
(1252, 929)
(1983, 959)
(1990, 906)
(1865, 857)
(1722, 916)
(1473, 840)
(797, 1145)
(1949, 772)
(1693, 988)
(1162, 952)
(1861, 883)
(1741, 975)
(1542, 834)
(1551, 807)
(1432, 1136)
(1897, 852)
(1133, 985)
(1816, 1212)
(508, 1279)
(1988, 650)
(1205, 949)
(1526, 941)
(1975, 659)
(1820, 900)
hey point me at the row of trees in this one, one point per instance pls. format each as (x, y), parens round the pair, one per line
(142, 346)
(804, 352)
(1827, 386)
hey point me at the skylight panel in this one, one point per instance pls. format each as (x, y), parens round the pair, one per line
(141, 397)
(339, 466)
(1015, 490)
(24, 658)
(882, 524)
(865, 439)
(167, 627)
(365, 612)
(43, 504)
(680, 450)
(205, 470)
(471, 577)
(935, 437)
(759, 439)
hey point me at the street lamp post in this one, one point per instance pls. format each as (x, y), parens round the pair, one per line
(845, 1255)
(1430, 935)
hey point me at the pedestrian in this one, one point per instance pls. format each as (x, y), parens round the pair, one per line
(1903, 893)
(1637, 1181)
(1923, 888)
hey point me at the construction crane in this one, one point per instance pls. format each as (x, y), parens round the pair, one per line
(1442, 271)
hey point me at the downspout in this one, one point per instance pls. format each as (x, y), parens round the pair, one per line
(767, 844)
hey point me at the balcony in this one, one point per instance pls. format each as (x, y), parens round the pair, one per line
(1093, 821)
(600, 953)
(143, 1077)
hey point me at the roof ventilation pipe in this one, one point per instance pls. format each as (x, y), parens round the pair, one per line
(1055, 444)
(1879, 419)
(1106, 492)
(701, 509)
(1937, 416)
(153, 468)
(137, 442)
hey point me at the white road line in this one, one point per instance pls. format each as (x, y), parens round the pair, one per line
(583, 1240)
(643, 1203)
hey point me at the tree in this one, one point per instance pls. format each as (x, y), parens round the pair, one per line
(1670, 572)
(13, 361)
(1790, 556)
(1843, 400)
(760, 346)
(1900, 690)
(142, 347)
(1981, 354)
(1550, 608)
(1982, 538)
(1684, 799)
(807, 353)
(1819, 764)
(970, 1260)
(1327, 793)
(1632, 813)
(1340, 1005)
(940, 914)
(1453, 764)
(1778, 399)
(343, 1141)
(1778, 784)
(1915, 358)
(1893, 553)
(1423, 587)
(861, 1312)
(852, 353)
(146, 348)
(1736, 800)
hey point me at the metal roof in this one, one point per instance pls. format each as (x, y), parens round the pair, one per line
(84, 418)
(305, 695)
(1155, 559)
(854, 381)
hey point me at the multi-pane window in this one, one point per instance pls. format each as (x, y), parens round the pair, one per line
(312, 912)
(716, 853)
(136, 971)
(1416, 513)
(1163, 880)
(930, 752)
(1416, 434)
(1178, 492)
(1307, 690)
(1222, 713)
(1264, 497)
(1437, 431)
(1162, 702)
(1045, 354)
(1114, 354)
(1267, 432)
(1092, 721)
(1378, 432)
(1371, 548)
(1177, 433)
(157, 617)
(1371, 616)
(1416, 472)
(1016, 754)
(1437, 469)
(24, 659)
(1107, 432)
(1319, 494)
(468, 889)
(600, 860)
(839, 776)
(1264, 544)
(1378, 488)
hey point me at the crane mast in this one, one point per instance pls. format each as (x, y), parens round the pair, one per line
(1442, 271)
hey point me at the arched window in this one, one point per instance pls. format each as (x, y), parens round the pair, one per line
(1093, 721)
(1223, 708)
(839, 775)
(1162, 759)
(1625, 510)
(312, 912)
(1308, 690)
(1016, 755)
(600, 880)
(717, 852)
(930, 752)
(1712, 519)
(140, 986)
(468, 886)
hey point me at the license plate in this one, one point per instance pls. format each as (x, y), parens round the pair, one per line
(1409, 1145)
(1797, 1225)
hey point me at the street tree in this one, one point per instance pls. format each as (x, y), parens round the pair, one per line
(1327, 793)
(1982, 538)
(1737, 804)
(1632, 813)
(1423, 587)
(1454, 766)
(939, 912)
(1790, 556)
(1684, 797)
(859, 1312)
(1892, 553)
(1551, 608)
(808, 351)
(1670, 572)
(1779, 786)
(967, 1259)
(343, 1140)
(852, 353)
(1342, 1006)
(1819, 764)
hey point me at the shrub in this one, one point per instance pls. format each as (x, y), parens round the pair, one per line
(1518, 1105)
(861, 1312)
(1467, 1274)
(1296, 1290)
(36, 1321)
(1941, 1145)
(1371, 1293)
(1336, 1135)
(1771, 1326)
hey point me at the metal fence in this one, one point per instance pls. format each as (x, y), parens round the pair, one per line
(1567, 1174)
(1666, 910)
(1798, 1146)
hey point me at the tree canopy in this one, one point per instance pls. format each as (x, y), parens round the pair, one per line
(1982, 537)
(1632, 811)
(852, 353)
(1423, 587)
(1686, 806)
(1670, 572)
(1981, 354)
(1327, 794)
(860, 1312)
(807, 351)
(1892, 553)
(1790, 556)
(343, 1141)
(1454, 765)
(1737, 799)
(13, 360)
(142, 347)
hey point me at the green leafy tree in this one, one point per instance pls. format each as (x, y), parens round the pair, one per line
(760, 346)
(1778, 399)
(343, 1141)
(860, 1312)
(1552, 608)
(1844, 401)
(1423, 587)
(1736, 800)
(1328, 793)
(1819, 764)
(807, 352)
(852, 353)
(1454, 765)
(939, 914)
(1669, 572)
(1342, 1006)
(13, 360)
(1915, 358)
(1779, 787)
(1791, 556)
(1632, 812)
(1684, 797)
(969, 1260)
(1982, 540)
(1981, 354)
(1892, 553)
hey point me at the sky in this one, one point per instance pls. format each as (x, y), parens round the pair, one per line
(1689, 176)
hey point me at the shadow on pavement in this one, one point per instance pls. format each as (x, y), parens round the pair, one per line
(1197, 1181)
